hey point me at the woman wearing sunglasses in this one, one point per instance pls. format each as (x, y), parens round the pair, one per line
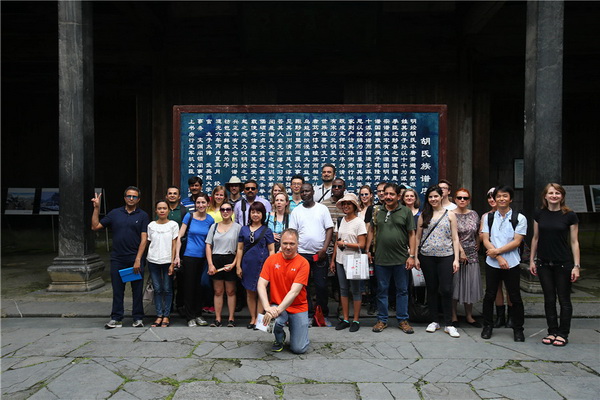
(255, 244)
(221, 255)
(467, 281)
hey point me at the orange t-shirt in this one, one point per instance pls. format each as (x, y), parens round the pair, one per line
(281, 274)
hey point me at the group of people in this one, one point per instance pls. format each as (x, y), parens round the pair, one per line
(274, 247)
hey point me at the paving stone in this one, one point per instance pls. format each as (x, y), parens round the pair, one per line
(556, 368)
(85, 380)
(513, 385)
(403, 390)
(143, 390)
(229, 391)
(574, 387)
(28, 377)
(446, 391)
(388, 391)
(126, 349)
(457, 371)
(43, 394)
(320, 391)
(228, 350)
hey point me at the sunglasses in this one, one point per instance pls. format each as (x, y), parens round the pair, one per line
(462, 198)
(365, 194)
(337, 186)
(250, 188)
(227, 209)
(131, 197)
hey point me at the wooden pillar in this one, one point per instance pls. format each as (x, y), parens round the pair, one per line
(76, 268)
(543, 98)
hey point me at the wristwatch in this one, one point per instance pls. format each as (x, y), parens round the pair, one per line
(411, 256)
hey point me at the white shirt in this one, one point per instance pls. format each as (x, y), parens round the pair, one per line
(503, 233)
(312, 224)
(161, 238)
(319, 191)
(349, 233)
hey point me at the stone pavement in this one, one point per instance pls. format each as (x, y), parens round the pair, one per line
(54, 346)
(76, 358)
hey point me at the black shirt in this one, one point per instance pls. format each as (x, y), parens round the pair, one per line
(554, 239)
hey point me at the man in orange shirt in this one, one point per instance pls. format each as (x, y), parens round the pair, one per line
(286, 274)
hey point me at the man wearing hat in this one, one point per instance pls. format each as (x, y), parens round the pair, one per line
(234, 187)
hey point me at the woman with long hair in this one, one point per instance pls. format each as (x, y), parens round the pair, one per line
(278, 220)
(162, 236)
(365, 205)
(275, 190)
(217, 199)
(193, 259)
(555, 260)
(467, 281)
(410, 198)
(438, 254)
(221, 254)
(255, 244)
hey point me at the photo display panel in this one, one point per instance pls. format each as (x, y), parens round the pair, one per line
(365, 146)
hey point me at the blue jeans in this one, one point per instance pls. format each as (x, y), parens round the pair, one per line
(163, 288)
(298, 325)
(384, 274)
(118, 288)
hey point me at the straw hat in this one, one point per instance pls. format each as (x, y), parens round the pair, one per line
(351, 197)
(234, 180)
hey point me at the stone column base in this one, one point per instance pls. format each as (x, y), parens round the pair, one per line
(529, 283)
(76, 273)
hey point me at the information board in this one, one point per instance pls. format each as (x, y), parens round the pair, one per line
(367, 144)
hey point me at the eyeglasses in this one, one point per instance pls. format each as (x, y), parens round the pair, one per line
(337, 186)
(227, 209)
(251, 236)
(130, 196)
(387, 216)
(462, 198)
(250, 188)
(444, 188)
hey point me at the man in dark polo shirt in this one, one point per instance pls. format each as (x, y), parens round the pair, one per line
(129, 226)
(176, 210)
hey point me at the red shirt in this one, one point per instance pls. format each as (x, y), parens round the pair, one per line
(281, 274)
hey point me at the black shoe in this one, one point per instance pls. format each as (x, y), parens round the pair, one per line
(474, 324)
(486, 333)
(519, 336)
(509, 321)
(343, 324)
(500, 317)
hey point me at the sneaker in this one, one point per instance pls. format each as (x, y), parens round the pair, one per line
(450, 330)
(210, 310)
(113, 324)
(231, 323)
(432, 327)
(379, 326)
(354, 326)
(201, 321)
(215, 324)
(192, 323)
(343, 324)
(138, 323)
(277, 346)
(405, 327)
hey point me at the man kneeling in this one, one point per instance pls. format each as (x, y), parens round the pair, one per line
(286, 274)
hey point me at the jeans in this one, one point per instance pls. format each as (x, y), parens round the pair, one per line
(118, 288)
(298, 325)
(556, 281)
(384, 274)
(318, 272)
(163, 288)
(511, 278)
(349, 285)
(439, 280)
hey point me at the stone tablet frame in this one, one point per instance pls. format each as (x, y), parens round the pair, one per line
(430, 122)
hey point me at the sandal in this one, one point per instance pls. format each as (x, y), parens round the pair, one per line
(560, 342)
(549, 339)
(231, 323)
(157, 323)
(216, 323)
(165, 323)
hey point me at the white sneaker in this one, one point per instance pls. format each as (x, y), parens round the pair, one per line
(201, 321)
(192, 323)
(113, 324)
(138, 323)
(450, 330)
(432, 327)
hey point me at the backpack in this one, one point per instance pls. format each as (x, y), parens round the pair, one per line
(514, 221)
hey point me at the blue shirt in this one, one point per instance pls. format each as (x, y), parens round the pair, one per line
(293, 204)
(196, 236)
(127, 229)
(503, 233)
(189, 203)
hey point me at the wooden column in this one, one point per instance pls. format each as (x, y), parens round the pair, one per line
(77, 268)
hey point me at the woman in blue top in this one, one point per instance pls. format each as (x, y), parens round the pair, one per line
(279, 219)
(193, 259)
(255, 244)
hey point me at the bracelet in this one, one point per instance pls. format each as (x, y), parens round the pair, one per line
(577, 266)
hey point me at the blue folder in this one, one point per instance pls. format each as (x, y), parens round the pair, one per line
(127, 275)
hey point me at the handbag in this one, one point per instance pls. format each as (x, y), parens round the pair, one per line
(418, 278)
(149, 291)
(319, 318)
(357, 266)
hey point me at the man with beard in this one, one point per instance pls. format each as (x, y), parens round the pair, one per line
(234, 187)
(315, 228)
(241, 209)
(395, 247)
(323, 191)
